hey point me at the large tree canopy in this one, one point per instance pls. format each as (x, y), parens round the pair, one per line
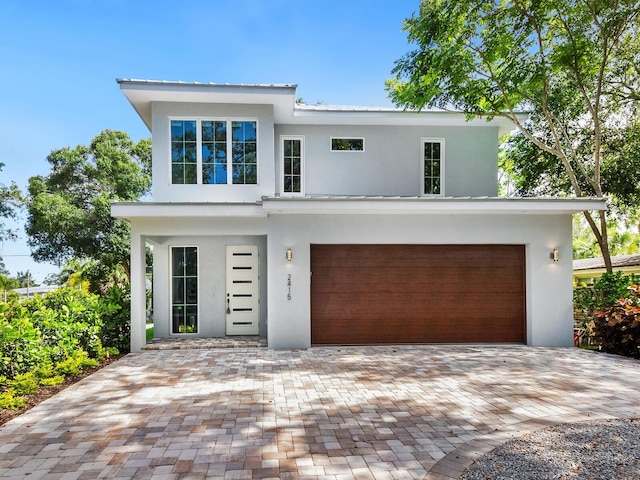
(69, 212)
(572, 63)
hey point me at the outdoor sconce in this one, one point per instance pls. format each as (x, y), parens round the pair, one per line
(290, 255)
(554, 255)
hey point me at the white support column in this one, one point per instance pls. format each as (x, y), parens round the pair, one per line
(138, 291)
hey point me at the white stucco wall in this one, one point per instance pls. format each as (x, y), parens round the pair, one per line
(391, 161)
(164, 191)
(549, 292)
(287, 322)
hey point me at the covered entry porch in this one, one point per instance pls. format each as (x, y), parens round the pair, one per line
(209, 271)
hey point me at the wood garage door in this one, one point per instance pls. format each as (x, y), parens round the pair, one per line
(367, 294)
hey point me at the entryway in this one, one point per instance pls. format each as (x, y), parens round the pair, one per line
(242, 298)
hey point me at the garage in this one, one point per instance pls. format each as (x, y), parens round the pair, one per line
(386, 294)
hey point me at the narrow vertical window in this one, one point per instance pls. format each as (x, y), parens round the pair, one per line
(183, 152)
(244, 160)
(184, 290)
(292, 158)
(433, 157)
(214, 152)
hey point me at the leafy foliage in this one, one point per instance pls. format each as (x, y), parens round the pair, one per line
(622, 241)
(45, 338)
(43, 332)
(69, 320)
(8, 399)
(10, 201)
(25, 279)
(617, 328)
(69, 211)
(611, 313)
(21, 347)
(573, 65)
(6, 285)
(604, 293)
(24, 384)
(116, 316)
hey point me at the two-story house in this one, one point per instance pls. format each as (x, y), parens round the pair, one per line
(321, 225)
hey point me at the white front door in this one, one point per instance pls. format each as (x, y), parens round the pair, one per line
(242, 290)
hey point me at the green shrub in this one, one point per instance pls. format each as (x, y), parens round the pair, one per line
(74, 365)
(116, 318)
(8, 399)
(111, 351)
(69, 320)
(44, 370)
(50, 381)
(604, 293)
(616, 329)
(70, 366)
(21, 348)
(24, 384)
(68, 328)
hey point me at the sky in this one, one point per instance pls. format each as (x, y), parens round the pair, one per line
(60, 60)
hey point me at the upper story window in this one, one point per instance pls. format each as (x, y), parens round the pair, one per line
(347, 144)
(433, 166)
(214, 152)
(183, 151)
(292, 165)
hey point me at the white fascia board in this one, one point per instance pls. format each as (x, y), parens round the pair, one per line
(363, 116)
(129, 210)
(143, 93)
(401, 205)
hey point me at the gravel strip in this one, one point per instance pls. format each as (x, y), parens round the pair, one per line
(588, 450)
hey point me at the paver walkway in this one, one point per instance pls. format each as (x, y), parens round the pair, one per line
(334, 413)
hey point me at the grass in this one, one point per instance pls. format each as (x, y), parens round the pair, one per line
(149, 334)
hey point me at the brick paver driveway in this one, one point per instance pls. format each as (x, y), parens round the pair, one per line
(335, 413)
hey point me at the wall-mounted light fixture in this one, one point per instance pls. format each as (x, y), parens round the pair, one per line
(554, 255)
(289, 255)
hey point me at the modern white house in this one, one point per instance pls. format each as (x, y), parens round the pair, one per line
(332, 225)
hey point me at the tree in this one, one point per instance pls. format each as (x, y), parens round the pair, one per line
(69, 211)
(25, 280)
(570, 63)
(622, 241)
(10, 201)
(3, 268)
(527, 170)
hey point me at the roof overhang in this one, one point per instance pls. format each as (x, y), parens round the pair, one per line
(138, 210)
(357, 205)
(422, 205)
(143, 93)
(348, 115)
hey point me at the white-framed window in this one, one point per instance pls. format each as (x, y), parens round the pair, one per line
(347, 144)
(432, 153)
(292, 164)
(184, 289)
(214, 151)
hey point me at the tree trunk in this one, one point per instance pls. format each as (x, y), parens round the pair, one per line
(601, 236)
(126, 265)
